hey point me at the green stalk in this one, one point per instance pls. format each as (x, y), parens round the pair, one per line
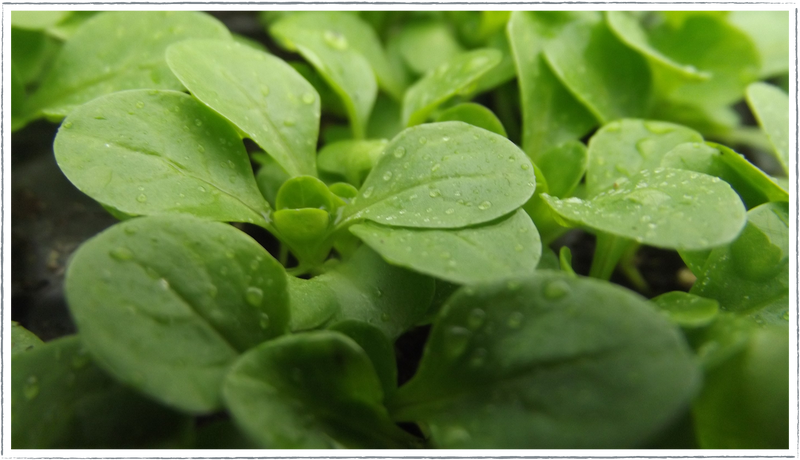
(607, 253)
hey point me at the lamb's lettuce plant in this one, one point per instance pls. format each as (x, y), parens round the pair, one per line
(392, 199)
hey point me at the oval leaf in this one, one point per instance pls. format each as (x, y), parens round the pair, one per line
(490, 252)
(341, 64)
(262, 95)
(687, 310)
(444, 175)
(625, 147)
(666, 208)
(159, 152)
(119, 50)
(351, 160)
(199, 292)
(556, 362)
(61, 400)
(563, 167)
(322, 388)
(453, 77)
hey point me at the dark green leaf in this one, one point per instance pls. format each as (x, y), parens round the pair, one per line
(556, 362)
(165, 304)
(61, 400)
(377, 347)
(444, 175)
(159, 152)
(498, 250)
(262, 95)
(23, 340)
(322, 388)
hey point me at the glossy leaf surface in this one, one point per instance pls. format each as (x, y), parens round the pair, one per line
(159, 152)
(770, 105)
(497, 250)
(444, 175)
(448, 79)
(687, 310)
(667, 208)
(201, 292)
(544, 367)
(23, 340)
(563, 166)
(259, 93)
(474, 114)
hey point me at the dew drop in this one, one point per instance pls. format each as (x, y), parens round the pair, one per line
(163, 283)
(198, 122)
(368, 192)
(200, 148)
(131, 229)
(384, 317)
(308, 98)
(423, 140)
(253, 296)
(201, 189)
(31, 388)
(450, 211)
(141, 198)
(515, 320)
(399, 152)
(289, 122)
(485, 205)
(80, 359)
(140, 105)
(121, 253)
(335, 40)
(556, 289)
(67, 125)
(387, 176)
(435, 167)
(457, 338)
(435, 193)
(263, 320)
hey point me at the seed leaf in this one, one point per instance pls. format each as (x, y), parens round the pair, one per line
(428, 170)
(625, 147)
(201, 292)
(610, 79)
(323, 389)
(493, 251)
(377, 347)
(452, 77)
(259, 93)
(158, 152)
(61, 400)
(115, 51)
(550, 113)
(318, 37)
(666, 208)
(556, 362)
(563, 166)
(770, 105)
(751, 275)
(351, 160)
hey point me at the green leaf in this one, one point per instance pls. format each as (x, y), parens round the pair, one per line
(434, 37)
(23, 340)
(312, 303)
(259, 93)
(304, 192)
(563, 166)
(115, 51)
(565, 260)
(687, 310)
(769, 31)
(377, 347)
(340, 62)
(323, 389)
(474, 114)
(37, 20)
(770, 106)
(61, 400)
(200, 292)
(556, 362)
(158, 152)
(497, 250)
(270, 177)
(65, 29)
(610, 79)
(454, 76)
(752, 185)
(666, 72)
(384, 122)
(745, 401)
(751, 275)
(624, 148)
(32, 53)
(711, 45)
(444, 175)
(351, 160)
(666, 208)
(550, 113)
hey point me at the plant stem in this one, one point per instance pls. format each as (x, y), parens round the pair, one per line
(631, 271)
(607, 252)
